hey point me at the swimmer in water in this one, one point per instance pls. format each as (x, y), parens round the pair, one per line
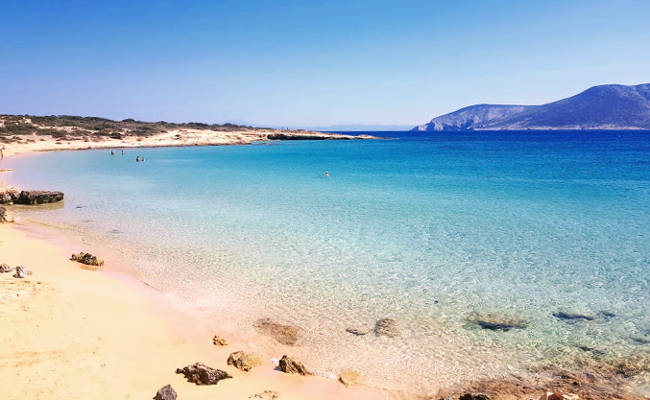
(137, 159)
(327, 173)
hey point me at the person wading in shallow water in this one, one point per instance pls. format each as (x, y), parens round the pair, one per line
(327, 174)
(137, 159)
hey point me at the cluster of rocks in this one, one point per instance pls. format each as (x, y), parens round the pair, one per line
(21, 272)
(202, 374)
(88, 259)
(29, 197)
(497, 321)
(383, 327)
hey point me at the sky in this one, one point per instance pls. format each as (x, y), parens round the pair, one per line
(310, 63)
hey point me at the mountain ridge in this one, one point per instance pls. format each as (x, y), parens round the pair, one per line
(601, 107)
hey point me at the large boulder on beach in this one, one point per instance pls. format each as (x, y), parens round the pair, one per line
(9, 196)
(244, 361)
(31, 197)
(291, 366)
(87, 258)
(349, 377)
(201, 374)
(386, 327)
(22, 272)
(282, 333)
(497, 321)
(470, 396)
(165, 393)
(5, 268)
(5, 215)
(219, 341)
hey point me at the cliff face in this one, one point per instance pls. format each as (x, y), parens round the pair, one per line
(599, 107)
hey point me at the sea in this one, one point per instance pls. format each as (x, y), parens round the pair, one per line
(447, 234)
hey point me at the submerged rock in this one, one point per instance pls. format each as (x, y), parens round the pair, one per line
(165, 393)
(497, 321)
(5, 268)
(265, 395)
(349, 377)
(201, 374)
(357, 332)
(244, 361)
(31, 197)
(87, 258)
(283, 334)
(607, 315)
(291, 366)
(386, 327)
(219, 341)
(568, 316)
(22, 272)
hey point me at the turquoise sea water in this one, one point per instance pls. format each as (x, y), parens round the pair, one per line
(426, 230)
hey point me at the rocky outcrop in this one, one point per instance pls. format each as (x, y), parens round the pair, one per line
(349, 377)
(165, 393)
(21, 272)
(283, 334)
(291, 366)
(5, 268)
(470, 396)
(219, 341)
(201, 374)
(31, 197)
(244, 361)
(558, 396)
(88, 259)
(386, 327)
(497, 321)
(357, 331)
(303, 136)
(5, 215)
(9, 196)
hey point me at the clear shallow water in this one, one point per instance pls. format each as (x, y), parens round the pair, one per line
(425, 230)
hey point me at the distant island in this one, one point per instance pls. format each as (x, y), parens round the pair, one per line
(604, 107)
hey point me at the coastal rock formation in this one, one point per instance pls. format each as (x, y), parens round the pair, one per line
(165, 393)
(283, 334)
(298, 136)
(349, 377)
(201, 374)
(469, 396)
(9, 196)
(5, 268)
(31, 197)
(219, 341)
(497, 321)
(21, 272)
(87, 258)
(386, 327)
(265, 395)
(558, 396)
(244, 361)
(291, 366)
(5, 215)
(357, 332)
(568, 316)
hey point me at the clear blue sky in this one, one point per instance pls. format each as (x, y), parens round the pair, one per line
(306, 63)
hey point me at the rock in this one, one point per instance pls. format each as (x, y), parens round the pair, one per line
(291, 366)
(567, 316)
(219, 341)
(165, 393)
(497, 321)
(386, 327)
(5, 215)
(469, 396)
(349, 377)
(606, 315)
(22, 272)
(8, 196)
(244, 361)
(5, 268)
(357, 332)
(265, 395)
(201, 374)
(31, 197)
(558, 396)
(283, 334)
(88, 259)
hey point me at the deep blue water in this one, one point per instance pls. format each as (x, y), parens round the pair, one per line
(425, 229)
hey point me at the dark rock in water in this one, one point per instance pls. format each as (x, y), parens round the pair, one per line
(497, 321)
(606, 315)
(5, 268)
(87, 258)
(593, 351)
(572, 316)
(356, 332)
(640, 340)
(31, 197)
(386, 327)
(244, 361)
(201, 374)
(291, 366)
(165, 393)
(283, 334)
(22, 272)
(469, 396)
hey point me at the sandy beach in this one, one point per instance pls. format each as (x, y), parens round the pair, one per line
(74, 333)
